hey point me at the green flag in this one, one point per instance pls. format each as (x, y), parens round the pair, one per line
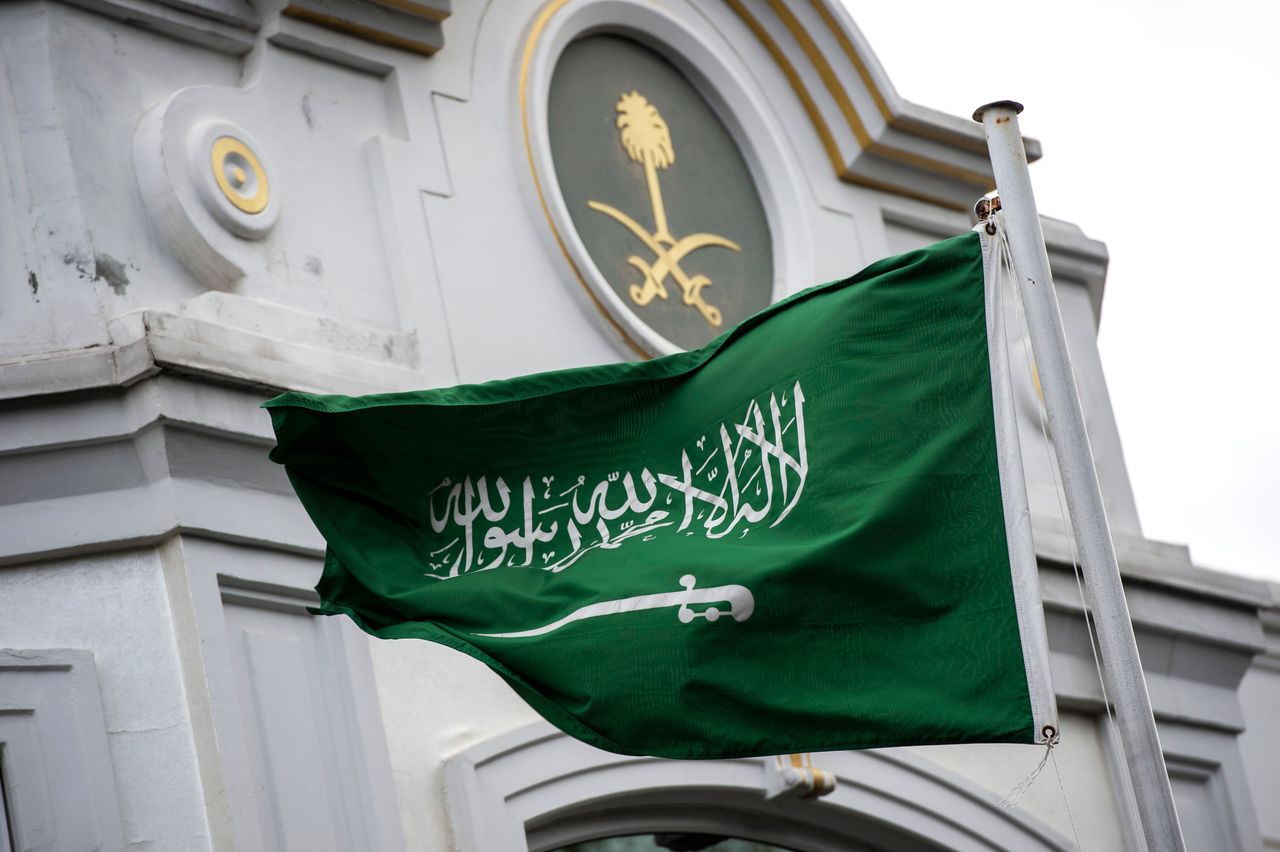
(810, 534)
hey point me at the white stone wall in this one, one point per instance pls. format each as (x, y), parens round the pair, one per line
(1260, 742)
(116, 608)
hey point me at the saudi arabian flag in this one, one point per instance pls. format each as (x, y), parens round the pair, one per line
(810, 534)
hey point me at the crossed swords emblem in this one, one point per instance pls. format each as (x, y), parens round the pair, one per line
(647, 141)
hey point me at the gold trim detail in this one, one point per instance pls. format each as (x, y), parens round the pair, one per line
(535, 33)
(418, 10)
(892, 189)
(977, 146)
(825, 72)
(850, 113)
(864, 73)
(845, 104)
(239, 174)
(331, 22)
(797, 85)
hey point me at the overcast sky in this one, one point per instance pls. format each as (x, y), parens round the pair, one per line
(1160, 123)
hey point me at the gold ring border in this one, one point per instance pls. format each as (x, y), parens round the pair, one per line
(540, 23)
(224, 145)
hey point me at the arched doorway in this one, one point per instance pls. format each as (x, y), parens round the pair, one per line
(537, 789)
(671, 841)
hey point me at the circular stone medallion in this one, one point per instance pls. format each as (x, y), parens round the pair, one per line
(657, 190)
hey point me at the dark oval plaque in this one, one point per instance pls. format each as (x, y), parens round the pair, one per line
(658, 191)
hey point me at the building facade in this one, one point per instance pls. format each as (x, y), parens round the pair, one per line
(205, 202)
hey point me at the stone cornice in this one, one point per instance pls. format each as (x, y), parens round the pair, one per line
(871, 135)
(231, 26)
(317, 354)
(410, 25)
(226, 26)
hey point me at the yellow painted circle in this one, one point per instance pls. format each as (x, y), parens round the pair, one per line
(239, 174)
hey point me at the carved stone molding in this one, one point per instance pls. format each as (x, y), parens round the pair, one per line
(412, 25)
(231, 26)
(205, 181)
(535, 788)
(227, 26)
(60, 792)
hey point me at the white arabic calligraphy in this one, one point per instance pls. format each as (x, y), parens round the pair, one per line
(754, 472)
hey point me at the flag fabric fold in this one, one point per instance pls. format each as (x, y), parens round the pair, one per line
(810, 534)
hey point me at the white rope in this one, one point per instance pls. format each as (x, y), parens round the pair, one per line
(1014, 797)
(1070, 816)
(1006, 265)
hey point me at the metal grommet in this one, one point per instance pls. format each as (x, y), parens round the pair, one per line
(985, 208)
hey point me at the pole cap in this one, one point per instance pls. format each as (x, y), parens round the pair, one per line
(1013, 105)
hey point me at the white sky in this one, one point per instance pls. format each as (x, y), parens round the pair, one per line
(1160, 123)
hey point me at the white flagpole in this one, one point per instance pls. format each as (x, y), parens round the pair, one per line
(1121, 667)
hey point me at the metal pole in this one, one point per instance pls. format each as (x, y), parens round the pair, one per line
(1121, 667)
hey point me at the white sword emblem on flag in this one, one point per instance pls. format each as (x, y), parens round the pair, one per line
(739, 598)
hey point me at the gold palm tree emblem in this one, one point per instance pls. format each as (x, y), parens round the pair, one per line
(647, 141)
